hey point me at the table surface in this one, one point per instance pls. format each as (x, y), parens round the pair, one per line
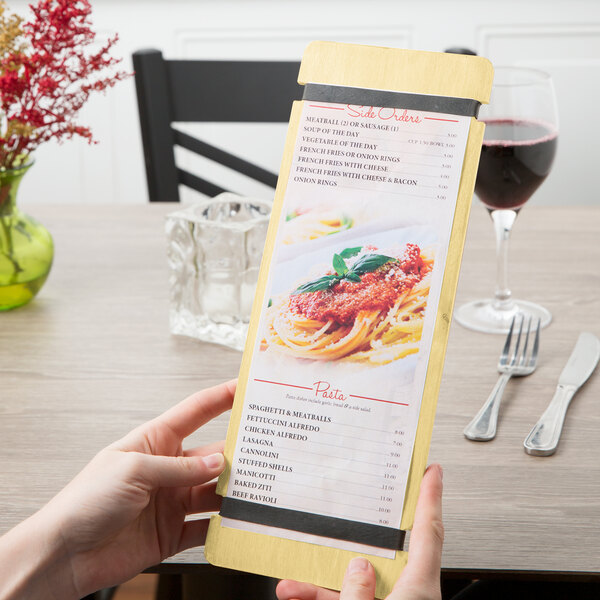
(92, 357)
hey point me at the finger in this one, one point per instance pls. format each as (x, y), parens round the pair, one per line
(359, 580)
(193, 534)
(427, 537)
(202, 498)
(196, 410)
(176, 471)
(206, 450)
(288, 589)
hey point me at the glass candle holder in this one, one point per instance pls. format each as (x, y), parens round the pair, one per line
(214, 252)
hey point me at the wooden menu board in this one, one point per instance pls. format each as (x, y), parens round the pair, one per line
(332, 420)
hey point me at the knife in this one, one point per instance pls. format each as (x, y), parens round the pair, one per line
(543, 438)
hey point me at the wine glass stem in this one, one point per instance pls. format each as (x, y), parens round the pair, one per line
(503, 222)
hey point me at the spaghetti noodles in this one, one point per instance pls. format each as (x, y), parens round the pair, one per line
(368, 309)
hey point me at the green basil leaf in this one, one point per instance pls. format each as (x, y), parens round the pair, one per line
(351, 276)
(369, 262)
(339, 265)
(350, 252)
(347, 222)
(323, 283)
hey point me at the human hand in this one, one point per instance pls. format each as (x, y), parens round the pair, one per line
(126, 510)
(420, 580)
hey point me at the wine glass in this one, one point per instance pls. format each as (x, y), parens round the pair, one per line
(518, 150)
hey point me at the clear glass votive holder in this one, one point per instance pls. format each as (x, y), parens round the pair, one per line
(214, 252)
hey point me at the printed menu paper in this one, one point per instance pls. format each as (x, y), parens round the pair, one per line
(333, 396)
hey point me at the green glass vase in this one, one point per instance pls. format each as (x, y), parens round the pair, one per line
(26, 247)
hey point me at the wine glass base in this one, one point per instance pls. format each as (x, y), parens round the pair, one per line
(481, 315)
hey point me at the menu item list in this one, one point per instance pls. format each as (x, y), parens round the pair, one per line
(378, 146)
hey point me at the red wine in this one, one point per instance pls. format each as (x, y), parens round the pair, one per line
(516, 157)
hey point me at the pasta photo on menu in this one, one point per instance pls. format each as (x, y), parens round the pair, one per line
(364, 305)
(302, 225)
(308, 220)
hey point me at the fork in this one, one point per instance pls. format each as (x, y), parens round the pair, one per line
(511, 364)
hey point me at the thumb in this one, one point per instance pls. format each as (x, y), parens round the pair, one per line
(181, 471)
(359, 581)
(422, 572)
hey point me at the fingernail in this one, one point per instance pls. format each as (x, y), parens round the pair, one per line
(358, 564)
(214, 461)
(438, 467)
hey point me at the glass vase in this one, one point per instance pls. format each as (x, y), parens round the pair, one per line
(26, 247)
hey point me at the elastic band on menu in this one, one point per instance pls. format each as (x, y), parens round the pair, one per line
(464, 107)
(331, 527)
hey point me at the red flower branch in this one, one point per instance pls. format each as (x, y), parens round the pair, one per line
(49, 66)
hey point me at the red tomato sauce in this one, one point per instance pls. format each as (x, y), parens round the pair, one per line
(377, 290)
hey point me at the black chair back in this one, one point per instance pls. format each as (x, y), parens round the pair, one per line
(171, 91)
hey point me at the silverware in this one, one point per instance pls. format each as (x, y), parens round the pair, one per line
(516, 364)
(543, 438)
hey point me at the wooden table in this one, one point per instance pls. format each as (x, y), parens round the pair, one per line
(92, 357)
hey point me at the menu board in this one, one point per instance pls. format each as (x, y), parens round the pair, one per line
(334, 391)
(334, 410)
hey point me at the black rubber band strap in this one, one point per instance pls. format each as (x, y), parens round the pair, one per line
(464, 107)
(331, 527)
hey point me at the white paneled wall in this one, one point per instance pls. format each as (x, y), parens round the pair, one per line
(558, 36)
